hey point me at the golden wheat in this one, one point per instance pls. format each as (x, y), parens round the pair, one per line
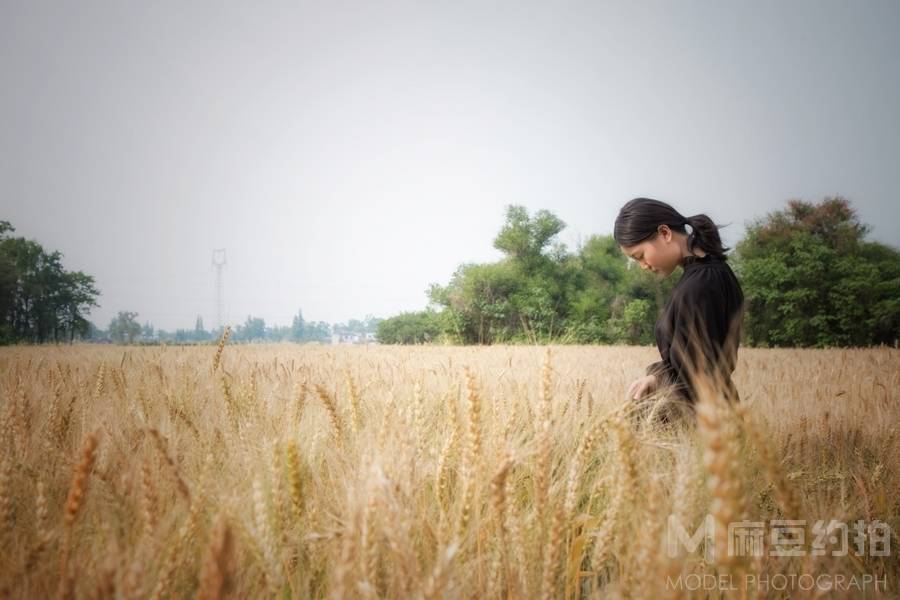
(501, 472)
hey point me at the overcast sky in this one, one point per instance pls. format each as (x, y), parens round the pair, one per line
(346, 155)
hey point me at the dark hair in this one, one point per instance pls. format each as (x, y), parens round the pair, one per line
(640, 218)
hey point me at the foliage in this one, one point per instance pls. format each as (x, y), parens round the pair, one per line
(540, 292)
(124, 327)
(410, 328)
(39, 299)
(811, 279)
(809, 275)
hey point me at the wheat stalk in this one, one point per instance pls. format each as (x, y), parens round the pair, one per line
(74, 503)
(218, 563)
(330, 405)
(161, 446)
(222, 341)
(500, 568)
(721, 458)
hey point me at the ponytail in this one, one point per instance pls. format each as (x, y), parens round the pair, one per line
(705, 235)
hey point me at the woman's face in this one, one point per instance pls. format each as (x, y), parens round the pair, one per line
(660, 254)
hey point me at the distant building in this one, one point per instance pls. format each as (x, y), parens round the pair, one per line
(352, 337)
(344, 337)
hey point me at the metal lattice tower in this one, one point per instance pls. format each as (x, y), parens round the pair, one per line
(218, 261)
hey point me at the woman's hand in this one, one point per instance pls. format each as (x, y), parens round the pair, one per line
(639, 387)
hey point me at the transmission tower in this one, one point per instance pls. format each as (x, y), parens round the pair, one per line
(218, 261)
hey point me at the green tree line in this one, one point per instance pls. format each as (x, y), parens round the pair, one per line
(124, 328)
(810, 278)
(40, 301)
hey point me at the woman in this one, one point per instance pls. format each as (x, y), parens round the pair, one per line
(699, 328)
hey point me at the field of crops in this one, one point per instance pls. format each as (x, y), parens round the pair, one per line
(431, 472)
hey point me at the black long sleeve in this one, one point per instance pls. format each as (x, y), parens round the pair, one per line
(706, 307)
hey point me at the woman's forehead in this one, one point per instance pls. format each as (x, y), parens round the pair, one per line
(629, 250)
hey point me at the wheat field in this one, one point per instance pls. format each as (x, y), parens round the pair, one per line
(256, 471)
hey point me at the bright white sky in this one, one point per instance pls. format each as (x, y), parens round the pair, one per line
(348, 154)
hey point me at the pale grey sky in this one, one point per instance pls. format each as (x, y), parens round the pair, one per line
(348, 154)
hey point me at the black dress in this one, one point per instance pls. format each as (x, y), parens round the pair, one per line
(700, 326)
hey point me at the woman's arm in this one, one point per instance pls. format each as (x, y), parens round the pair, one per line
(698, 331)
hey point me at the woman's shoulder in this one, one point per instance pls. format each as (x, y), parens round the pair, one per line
(703, 272)
(708, 282)
(708, 265)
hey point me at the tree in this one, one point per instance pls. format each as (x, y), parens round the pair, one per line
(39, 300)
(539, 296)
(602, 278)
(522, 297)
(124, 326)
(76, 294)
(298, 327)
(811, 279)
(478, 300)
(523, 238)
(317, 331)
(410, 328)
(252, 329)
(200, 333)
(634, 326)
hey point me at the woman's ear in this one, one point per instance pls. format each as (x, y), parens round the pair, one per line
(665, 233)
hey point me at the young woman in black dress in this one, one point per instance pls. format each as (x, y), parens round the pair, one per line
(699, 328)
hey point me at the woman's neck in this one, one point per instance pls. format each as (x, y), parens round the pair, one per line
(682, 244)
